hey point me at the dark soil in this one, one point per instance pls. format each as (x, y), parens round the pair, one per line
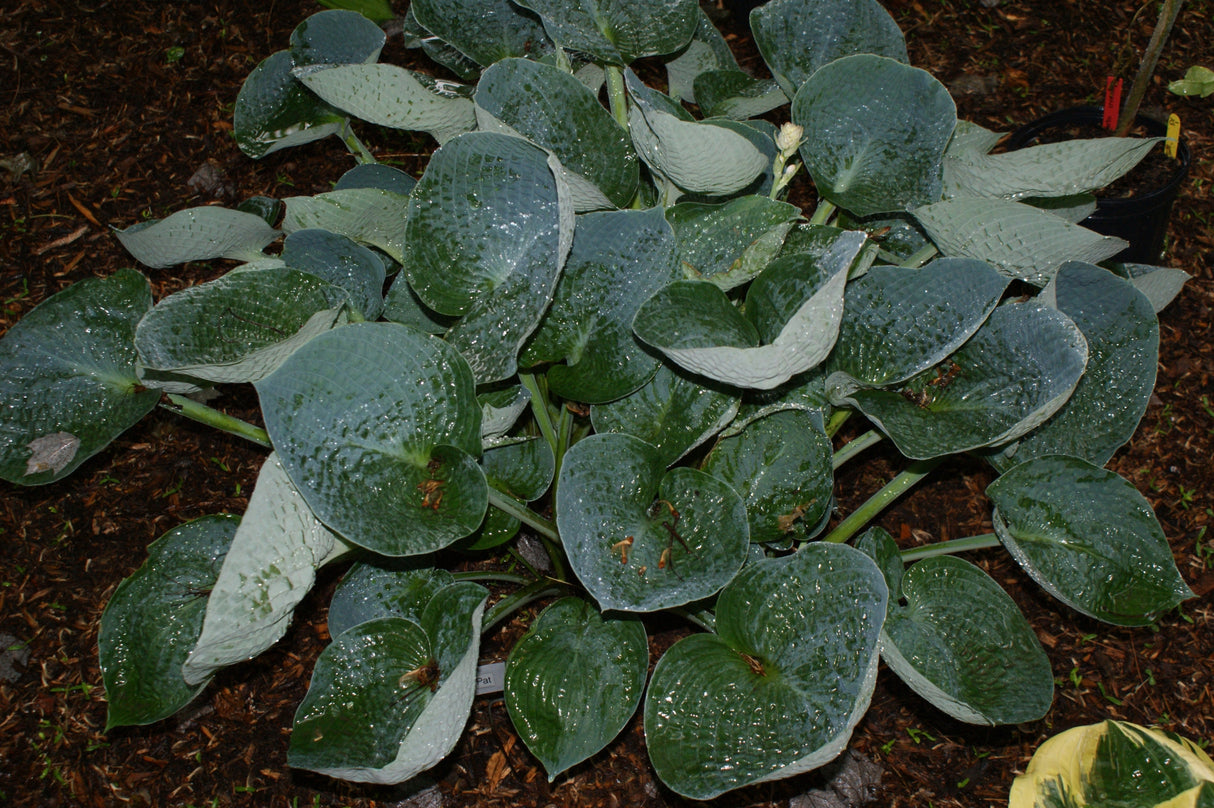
(121, 104)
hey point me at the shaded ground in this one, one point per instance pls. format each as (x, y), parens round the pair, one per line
(119, 104)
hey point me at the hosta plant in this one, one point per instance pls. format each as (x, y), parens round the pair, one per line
(597, 322)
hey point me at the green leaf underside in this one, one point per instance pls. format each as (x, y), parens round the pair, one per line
(1011, 376)
(781, 467)
(958, 640)
(898, 322)
(1122, 334)
(392, 96)
(640, 538)
(240, 327)
(875, 133)
(554, 110)
(1019, 240)
(389, 697)
(67, 369)
(706, 51)
(153, 619)
(471, 254)
(621, 31)
(1088, 538)
(618, 259)
(370, 216)
(779, 688)
(378, 427)
(796, 38)
(573, 682)
(672, 412)
(485, 31)
(269, 567)
(197, 234)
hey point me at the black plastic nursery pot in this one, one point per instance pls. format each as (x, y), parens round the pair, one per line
(1141, 219)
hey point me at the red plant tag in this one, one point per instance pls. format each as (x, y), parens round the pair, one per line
(1112, 102)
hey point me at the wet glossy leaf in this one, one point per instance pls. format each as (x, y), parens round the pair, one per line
(780, 686)
(619, 31)
(484, 31)
(1089, 538)
(573, 681)
(342, 262)
(728, 244)
(370, 216)
(399, 587)
(198, 234)
(153, 618)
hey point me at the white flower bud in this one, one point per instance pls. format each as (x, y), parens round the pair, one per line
(788, 139)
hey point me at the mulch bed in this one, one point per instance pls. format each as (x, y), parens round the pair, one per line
(120, 105)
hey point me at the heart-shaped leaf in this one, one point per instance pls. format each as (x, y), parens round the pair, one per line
(781, 467)
(1122, 334)
(388, 95)
(1016, 372)
(959, 641)
(68, 378)
(672, 411)
(1089, 538)
(240, 327)
(779, 688)
(618, 260)
(378, 427)
(485, 31)
(554, 110)
(269, 567)
(471, 254)
(153, 619)
(397, 587)
(898, 322)
(640, 538)
(796, 37)
(1019, 240)
(390, 697)
(620, 31)
(198, 234)
(573, 681)
(342, 262)
(875, 133)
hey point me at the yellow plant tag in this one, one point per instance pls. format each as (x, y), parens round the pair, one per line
(1173, 137)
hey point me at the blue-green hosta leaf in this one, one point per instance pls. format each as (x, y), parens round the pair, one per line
(618, 259)
(779, 688)
(899, 322)
(641, 538)
(737, 95)
(1122, 334)
(520, 468)
(376, 175)
(269, 567)
(274, 111)
(388, 95)
(707, 50)
(796, 37)
(377, 11)
(696, 327)
(729, 243)
(370, 590)
(805, 392)
(1017, 239)
(554, 110)
(618, 31)
(153, 619)
(1068, 168)
(369, 216)
(781, 466)
(68, 381)
(875, 133)
(472, 254)
(1116, 763)
(240, 327)
(342, 262)
(1011, 376)
(485, 31)
(389, 697)
(1088, 538)
(500, 410)
(402, 305)
(198, 234)
(378, 426)
(1161, 285)
(672, 411)
(573, 681)
(698, 156)
(959, 641)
